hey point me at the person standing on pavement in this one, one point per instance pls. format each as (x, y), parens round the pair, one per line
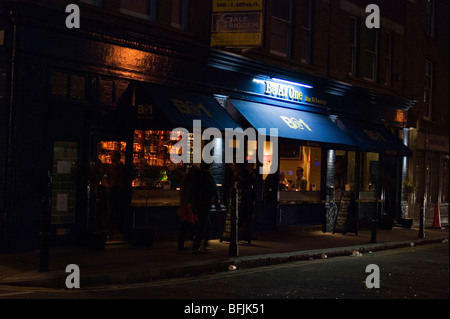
(202, 193)
(114, 181)
(188, 220)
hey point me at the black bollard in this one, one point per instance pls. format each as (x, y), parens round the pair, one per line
(421, 223)
(234, 249)
(373, 237)
(43, 247)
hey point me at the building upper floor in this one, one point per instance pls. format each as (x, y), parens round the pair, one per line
(407, 56)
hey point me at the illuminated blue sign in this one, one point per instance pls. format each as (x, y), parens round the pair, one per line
(287, 90)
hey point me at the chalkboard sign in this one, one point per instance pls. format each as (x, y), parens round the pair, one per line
(226, 232)
(346, 220)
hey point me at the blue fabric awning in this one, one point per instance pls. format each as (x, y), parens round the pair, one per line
(167, 108)
(308, 128)
(373, 137)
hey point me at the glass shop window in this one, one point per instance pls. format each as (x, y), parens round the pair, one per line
(345, 170)
(300, 168)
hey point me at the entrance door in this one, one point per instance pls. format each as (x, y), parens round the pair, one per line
(64, 188)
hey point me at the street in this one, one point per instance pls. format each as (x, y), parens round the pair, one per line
(420, 272)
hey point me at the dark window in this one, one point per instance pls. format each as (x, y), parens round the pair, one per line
(69, 85)
(180, 14)
(371, 55)
(97, 3)
(281, 28)
(307, 31)
(354, 46)
(430, 11)
(427, 94)
(387, 58)
(144, 9)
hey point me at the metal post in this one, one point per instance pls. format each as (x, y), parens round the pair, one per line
(45, 221)
(422, 220)
(373, 238)
(234, 248)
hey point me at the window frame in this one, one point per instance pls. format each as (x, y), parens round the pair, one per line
(373, 54)
(388, 58)
(288, 48)
(149, 15)
(183, 14)
(428, 90)
(430, 11)
(354, 46)
(307, 33)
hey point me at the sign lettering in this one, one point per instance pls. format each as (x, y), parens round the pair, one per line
(188, 107)
(296, 124)
(283, 91)
(375, 136)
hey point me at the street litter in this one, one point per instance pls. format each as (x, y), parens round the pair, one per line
(356, 253)
(232, 267)
(324, 256)
(412, 244)
(445, 241)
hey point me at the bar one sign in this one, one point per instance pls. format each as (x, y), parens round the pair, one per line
(286, 90)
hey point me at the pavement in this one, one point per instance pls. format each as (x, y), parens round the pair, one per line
(122, 263)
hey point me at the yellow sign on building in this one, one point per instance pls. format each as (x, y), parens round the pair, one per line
(237, 23)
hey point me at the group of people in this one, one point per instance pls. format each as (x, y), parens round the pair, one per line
(300, 183)
(198, 191)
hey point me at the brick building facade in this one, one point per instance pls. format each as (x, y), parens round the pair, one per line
(58, 84)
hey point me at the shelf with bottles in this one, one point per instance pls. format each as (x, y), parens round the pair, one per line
(151, 158)
(151, 147)
(105, 149)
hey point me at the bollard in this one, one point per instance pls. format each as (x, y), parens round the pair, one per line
(43, 247)
(234, 249)
(421, 223)
(373, 237)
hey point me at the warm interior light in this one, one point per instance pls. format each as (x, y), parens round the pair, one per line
(292, 83)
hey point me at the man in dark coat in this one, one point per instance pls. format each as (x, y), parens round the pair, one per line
(203, 192)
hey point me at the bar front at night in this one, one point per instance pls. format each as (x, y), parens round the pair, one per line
(124, 84)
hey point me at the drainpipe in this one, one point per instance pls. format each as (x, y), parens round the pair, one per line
(7, 218)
